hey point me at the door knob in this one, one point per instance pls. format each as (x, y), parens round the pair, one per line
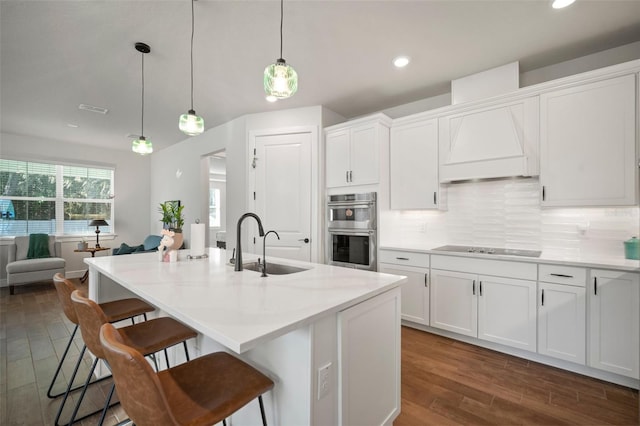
(306, 240)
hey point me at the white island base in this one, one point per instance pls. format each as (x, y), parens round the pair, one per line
(334, 365)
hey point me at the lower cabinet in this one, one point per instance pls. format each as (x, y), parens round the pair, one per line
(496, 309)
(562, 322)
(415, 292)
(614, 322)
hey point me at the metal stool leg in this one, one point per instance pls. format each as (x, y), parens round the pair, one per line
(264, 418)
(64, 355)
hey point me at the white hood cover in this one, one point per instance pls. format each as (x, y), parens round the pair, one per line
(496, 141)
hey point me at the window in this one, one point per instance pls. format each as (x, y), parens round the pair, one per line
(214, 207)
(53, 198)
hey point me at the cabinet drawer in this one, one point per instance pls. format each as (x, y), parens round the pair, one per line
(497, 268)
(399, 257)
(560, 274)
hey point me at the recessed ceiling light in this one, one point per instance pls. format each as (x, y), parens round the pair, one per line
(271, 98)
(92, 108)
(559, 4)
(401, 61)
(73, 126)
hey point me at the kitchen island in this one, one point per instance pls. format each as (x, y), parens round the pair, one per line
(329, 337)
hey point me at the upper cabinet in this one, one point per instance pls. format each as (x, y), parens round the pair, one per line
(587, 144)
(413, 165)
(353, 151)
(491, 140)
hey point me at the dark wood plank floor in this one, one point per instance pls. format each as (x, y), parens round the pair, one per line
(448, 382)
(444, 382)
(33, 334)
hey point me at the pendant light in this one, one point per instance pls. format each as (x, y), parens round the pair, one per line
(141, 145)
(190, 123)
(280, 79)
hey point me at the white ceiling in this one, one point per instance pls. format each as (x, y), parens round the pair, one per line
(56, 55)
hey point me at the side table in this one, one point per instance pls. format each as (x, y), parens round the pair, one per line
(93, 251)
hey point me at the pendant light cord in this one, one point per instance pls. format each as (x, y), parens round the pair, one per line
(281, 19)
(142, 128)
(192, 25)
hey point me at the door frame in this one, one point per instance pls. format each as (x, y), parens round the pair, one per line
(316, 207)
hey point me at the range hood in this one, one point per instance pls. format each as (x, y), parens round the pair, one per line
(491, 139)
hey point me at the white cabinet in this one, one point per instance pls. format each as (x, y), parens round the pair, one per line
(465, 299)
(369, 391)
(353, 151)
(413, 169)
(490, 140)
(561, 312)
(415, 292)
(587, 144)
(614, 322)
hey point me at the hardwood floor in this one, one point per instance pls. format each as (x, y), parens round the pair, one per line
(444, 382)
(447, 382)
(33, 336)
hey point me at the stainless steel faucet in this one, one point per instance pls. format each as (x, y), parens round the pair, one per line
(238, 265)
(264, 252)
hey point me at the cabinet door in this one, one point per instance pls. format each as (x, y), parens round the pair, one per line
(562, 322)
(415, 292)
(369, 363)
(364, 155)
(587, 141)
(414, 166)
(614, 322)
(337, 158)
(454, 304)
(507, 311)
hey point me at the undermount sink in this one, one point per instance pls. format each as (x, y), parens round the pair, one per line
(273, 268)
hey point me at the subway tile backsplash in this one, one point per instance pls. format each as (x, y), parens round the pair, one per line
(507, 213)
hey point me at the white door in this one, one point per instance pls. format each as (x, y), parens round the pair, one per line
(338, 160)
(415, 292)
(614, 322)
(414, 166)
(365, 164)
(283, 193)
(561, 322)
(454, 303)
(507, 311)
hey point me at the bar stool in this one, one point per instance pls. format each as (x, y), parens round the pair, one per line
(147, 337)
(115, 311)
(204, 391)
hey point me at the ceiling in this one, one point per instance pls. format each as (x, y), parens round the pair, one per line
(56, 55)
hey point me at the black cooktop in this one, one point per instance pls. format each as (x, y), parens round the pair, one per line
(489, 250)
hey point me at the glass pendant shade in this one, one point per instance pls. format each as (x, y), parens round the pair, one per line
(191, 124)
(280, 80)
(142, 146)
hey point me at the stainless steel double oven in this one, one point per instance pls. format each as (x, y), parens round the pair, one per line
(352, 230)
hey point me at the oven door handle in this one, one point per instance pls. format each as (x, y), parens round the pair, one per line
(355, 232)
(350, 204)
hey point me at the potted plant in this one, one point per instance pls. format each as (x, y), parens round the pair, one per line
(172, 217)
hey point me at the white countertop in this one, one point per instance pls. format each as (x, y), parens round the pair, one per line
(240, 310)
(547, 257)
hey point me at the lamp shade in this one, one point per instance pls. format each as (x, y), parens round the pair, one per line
(142, 146)
(191, 124)
(280, 80)
(98, 222)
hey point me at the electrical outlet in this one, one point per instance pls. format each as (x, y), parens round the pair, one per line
(324, 380)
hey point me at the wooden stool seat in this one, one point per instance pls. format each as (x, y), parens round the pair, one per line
(203, 391)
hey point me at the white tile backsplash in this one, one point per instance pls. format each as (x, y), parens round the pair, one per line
(507, 213)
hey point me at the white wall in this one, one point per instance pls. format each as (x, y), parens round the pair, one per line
(132, 186)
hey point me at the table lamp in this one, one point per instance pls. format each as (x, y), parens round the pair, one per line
(98, 223)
